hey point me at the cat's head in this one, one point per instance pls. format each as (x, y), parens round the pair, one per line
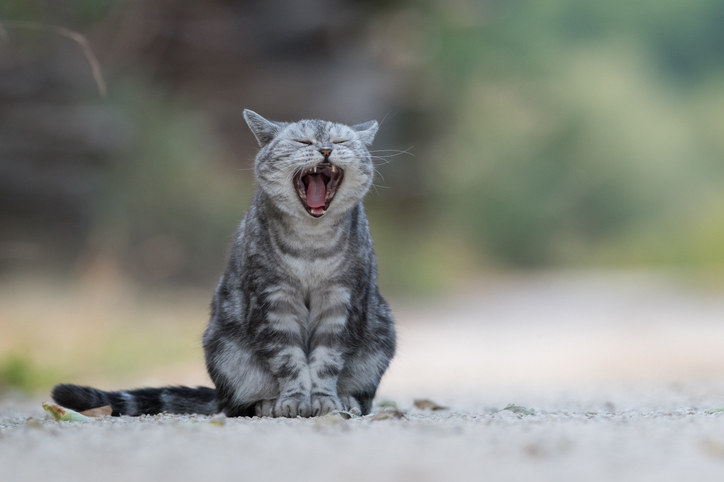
(311, 167)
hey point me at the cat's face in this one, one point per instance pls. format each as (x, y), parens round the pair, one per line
(312, 167)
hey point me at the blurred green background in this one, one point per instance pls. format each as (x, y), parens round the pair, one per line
(515, 135)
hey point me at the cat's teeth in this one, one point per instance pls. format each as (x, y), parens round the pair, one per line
(314, 169)
(334, 168)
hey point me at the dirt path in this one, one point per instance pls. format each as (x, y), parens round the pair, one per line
(611, 377)
(593, 441)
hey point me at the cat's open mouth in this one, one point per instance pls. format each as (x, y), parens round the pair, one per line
(316, 187)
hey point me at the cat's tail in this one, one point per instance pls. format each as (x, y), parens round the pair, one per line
(141, 401)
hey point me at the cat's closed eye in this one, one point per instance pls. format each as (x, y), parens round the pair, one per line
(340, 141)
(303, 141)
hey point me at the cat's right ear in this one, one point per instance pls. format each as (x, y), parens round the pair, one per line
(366, 131)
(263, 129)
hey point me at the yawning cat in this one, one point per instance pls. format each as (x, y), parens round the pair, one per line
(298, 326)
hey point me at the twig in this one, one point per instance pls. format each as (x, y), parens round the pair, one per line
(63, 32)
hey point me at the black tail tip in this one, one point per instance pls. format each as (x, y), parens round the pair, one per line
(73, 396)
(61, 391)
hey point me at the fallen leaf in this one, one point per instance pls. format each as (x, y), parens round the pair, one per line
(388, 413)
(518, 410)
(98, 411)
(329, 420)
(346, 415)
(426, 404)
(63, 414)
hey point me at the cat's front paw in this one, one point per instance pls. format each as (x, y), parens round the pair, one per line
(350, 404)
(264, 408)
(322, 404)
(291, 406)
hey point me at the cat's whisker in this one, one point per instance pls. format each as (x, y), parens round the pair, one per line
(381, 161)
(394, 152)
(385, 156)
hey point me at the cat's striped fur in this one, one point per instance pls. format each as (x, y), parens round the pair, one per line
(298, 326)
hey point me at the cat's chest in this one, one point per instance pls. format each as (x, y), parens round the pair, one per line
(312, 272)
(315, 289)
(310, 258)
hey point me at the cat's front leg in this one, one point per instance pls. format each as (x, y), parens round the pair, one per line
(291, 370)
(325, 364)
(281, 342)
(327, 349)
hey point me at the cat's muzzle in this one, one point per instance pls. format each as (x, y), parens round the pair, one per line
(317, 185)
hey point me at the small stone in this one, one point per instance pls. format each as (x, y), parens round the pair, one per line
(219, 419)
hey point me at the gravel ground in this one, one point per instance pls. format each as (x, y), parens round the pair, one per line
(591, 442)
(605, 378)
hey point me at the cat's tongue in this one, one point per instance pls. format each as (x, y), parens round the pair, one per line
(316, 191)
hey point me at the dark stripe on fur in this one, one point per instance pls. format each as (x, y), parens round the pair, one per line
(141, 401)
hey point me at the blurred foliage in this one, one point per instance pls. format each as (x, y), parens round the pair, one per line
(97, 328)
(21, 372)
(559, 133)
(514, 135)
(584, 132)
(168, 201)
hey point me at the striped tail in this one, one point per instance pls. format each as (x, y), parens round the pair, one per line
(141, 401)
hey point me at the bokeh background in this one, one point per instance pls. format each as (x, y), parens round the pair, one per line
(517, 138)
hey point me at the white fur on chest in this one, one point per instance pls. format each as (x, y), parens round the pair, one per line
(312, 294)
(312, 273)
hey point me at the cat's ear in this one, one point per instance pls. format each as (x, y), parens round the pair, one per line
(366, 131)
(263, 129)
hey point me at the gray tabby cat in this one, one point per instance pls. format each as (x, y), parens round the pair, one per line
(298, 326)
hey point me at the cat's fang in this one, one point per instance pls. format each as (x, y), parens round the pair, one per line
(317, 185)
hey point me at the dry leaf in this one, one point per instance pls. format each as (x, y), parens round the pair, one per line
(427, 404)
(336, 417)
(329, 420)
(518, 410)
(389, 413)
(346, 415)
(98, 411)
(63, 414)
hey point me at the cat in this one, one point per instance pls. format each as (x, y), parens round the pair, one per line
(298, 326)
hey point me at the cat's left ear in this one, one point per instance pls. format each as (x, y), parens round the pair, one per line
(366, 131)
(263, 129)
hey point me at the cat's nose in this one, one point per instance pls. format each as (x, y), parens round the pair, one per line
(325, 151)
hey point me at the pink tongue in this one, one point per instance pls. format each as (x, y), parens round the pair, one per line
(316, 191)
